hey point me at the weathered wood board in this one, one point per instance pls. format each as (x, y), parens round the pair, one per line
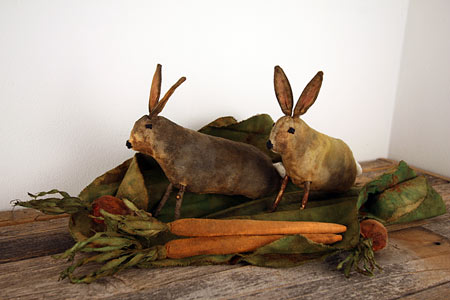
(416, 265)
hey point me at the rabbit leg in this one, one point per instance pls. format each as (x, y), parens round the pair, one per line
(179, 201)
(280, 193)
(306, 184)
(163, 200)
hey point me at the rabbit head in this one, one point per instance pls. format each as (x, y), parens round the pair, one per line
(289, 131)
(149, 131)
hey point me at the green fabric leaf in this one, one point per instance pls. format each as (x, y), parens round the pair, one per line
(133, 185)
(106, 184)
(408, 201)
(397, 175)
(220, 122)
(54, 206)
(81, 226)
(289, 251)
(54, 191)
(254, 131)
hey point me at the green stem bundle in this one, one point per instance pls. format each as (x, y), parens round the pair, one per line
(361, 259)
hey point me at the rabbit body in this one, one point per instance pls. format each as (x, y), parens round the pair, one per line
(311, 156)
(203, 163)
(196, 162)
(311, 159)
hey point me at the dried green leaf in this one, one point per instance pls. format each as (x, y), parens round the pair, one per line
(53, 206)
(361, 259)
(254, 131)
(113, 262)
(142, 225)
(54, 191)
(411, 200)
(397, 175)
(133, 186)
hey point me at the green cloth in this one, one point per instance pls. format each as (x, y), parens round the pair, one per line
(400, 196)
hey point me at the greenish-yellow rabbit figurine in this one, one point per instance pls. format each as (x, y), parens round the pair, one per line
(311, 159)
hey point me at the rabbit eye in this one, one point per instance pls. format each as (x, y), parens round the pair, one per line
(291, 130)
(149, 126)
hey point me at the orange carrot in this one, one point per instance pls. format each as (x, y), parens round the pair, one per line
(219, 245)
(213, 227)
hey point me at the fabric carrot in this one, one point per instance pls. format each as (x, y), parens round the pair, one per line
(220, 245)
(181, 248)
(214, 227)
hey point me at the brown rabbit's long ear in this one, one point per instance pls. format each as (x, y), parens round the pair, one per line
(155, 90)
(283, 91)
(309, 95)
(159, 107)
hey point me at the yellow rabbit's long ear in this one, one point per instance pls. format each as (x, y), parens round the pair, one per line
(159, 107)
(283, 91)
(309, 95)
(155, 90)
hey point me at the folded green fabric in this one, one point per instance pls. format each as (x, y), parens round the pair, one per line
(411, 200)
(400, 196)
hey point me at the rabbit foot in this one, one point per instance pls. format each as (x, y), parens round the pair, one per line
(306, 184)
(163, 200)
(179, 201)
(280, 193)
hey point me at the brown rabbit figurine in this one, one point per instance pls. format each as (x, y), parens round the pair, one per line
(197, 162)
(311, 159)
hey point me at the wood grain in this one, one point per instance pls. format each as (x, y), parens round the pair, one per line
(27, 215)
(395, 162)
(42, 280)
(416, 265)
(373, 165)
(33, 240)
(439, 292)
(410, 266)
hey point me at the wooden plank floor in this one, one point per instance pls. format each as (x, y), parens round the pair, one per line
(416, 265)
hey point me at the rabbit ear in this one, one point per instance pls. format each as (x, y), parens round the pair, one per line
(159, 107)
(155, 90)
(309, 95)
(283, 91)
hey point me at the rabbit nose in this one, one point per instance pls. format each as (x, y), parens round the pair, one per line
(269, 145)
(129, 146)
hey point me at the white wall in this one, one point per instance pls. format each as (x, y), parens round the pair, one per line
(75, 75)
(421, 124)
